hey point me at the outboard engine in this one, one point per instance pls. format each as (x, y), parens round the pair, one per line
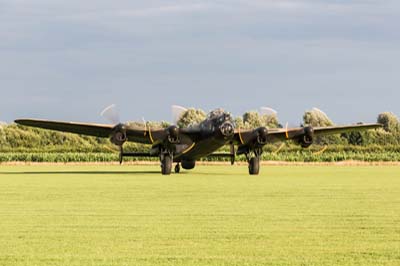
(118, 136)
(307, 138)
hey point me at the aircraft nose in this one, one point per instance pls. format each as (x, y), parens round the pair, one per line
(227, 129)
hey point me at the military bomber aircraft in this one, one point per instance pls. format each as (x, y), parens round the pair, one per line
(185, 146)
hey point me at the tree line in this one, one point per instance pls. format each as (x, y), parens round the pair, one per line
(16, 138)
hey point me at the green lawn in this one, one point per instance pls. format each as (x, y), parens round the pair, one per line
(214, 215)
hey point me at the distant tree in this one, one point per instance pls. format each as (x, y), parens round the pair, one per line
(239, 122)
(389, 121)
(389, 135)
(191, 117)
(152, 124)
(158, 124)
(253, 119)
(165, 124)
(136, 124)
(271, 120)
(3, 140)
(316, 118)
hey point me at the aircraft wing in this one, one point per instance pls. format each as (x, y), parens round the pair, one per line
(281, 134)
(97, 130)
(145, 135)
(322, 131)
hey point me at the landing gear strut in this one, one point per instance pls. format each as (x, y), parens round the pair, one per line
(177, 168)
(254, 162)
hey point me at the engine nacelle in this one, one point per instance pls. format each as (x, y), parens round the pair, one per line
(307, 138)
(188, 164)
(227, 129)
(262, 134)
(118, 136)
(173, 134)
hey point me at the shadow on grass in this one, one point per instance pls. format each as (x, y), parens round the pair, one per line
(83, 173)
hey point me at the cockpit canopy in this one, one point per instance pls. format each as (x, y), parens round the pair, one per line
(219, 115)
(216, 119)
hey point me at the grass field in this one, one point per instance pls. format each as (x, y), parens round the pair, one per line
(214, 215)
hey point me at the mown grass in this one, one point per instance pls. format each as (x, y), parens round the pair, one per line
(214, 215)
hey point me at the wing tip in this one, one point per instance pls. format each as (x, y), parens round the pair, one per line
(20, 121)
(375, 125)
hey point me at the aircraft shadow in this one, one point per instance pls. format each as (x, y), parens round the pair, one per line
(82, 173)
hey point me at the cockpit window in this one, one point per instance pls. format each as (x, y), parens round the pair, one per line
(215, 113)
(217, 118)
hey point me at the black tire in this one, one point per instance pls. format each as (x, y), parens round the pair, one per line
(177, 168)
(254, 166)
(166, 165)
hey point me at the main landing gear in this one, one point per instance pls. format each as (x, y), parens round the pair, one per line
(254, 162)
(166, 164)
(254, 166)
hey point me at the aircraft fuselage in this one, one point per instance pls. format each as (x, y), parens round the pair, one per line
(217, 131)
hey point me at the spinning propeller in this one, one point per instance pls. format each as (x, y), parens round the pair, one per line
(111, 114)
(118, 138)
(267, 111)
(177, 112)
(307, 130)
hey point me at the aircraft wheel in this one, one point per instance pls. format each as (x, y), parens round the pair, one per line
(254, 166)
(166, 165)
(177, 168)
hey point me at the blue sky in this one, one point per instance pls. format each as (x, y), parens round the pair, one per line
(68, 60)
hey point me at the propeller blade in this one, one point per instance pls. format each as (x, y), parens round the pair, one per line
(145, 124)
(289, 133)
(321, 151)
(287, 130)
(279, 148)
(111, 114)
(267, 111)
(177, 112)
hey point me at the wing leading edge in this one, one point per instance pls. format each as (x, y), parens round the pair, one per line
(146, 135)
(96, 130)
(282, 134)
(323, 131)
